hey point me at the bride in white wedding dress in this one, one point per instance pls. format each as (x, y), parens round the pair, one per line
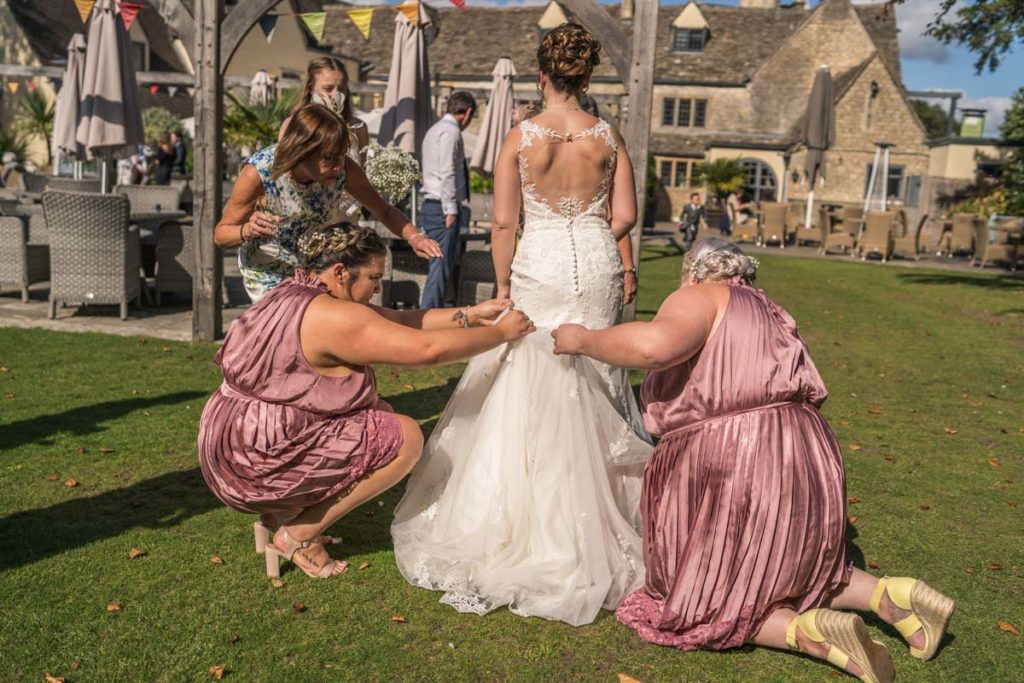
(527, 493)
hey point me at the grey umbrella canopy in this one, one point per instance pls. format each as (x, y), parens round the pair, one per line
(819, 132)
(261, 89)
(498, 121)
(407, 111)
(110, 123)
(65, 125)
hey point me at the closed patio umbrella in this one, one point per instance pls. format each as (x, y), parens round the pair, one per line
(261, 90)
(819, 131)
(407, 110)
(65, 124)
(110, 123)
(498, 121)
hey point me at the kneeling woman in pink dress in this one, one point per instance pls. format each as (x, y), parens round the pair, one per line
(296, 433)
(744, 497)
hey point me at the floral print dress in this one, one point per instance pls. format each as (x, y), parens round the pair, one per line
(267, 261)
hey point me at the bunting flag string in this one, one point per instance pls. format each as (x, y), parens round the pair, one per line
(84, 8)
(13, 86)
(172, 90)
(129, 11)
(461, 4)
(411, 10)
(31, 85)
(191, 92)
(268, 22)
(314, 22)
(362, 18)
(154, 89)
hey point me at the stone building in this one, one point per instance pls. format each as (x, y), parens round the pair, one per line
(730, 82)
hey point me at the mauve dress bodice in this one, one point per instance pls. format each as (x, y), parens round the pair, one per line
(277, 436)
(754, 358)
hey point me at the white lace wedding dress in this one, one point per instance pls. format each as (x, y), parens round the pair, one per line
(527, 493)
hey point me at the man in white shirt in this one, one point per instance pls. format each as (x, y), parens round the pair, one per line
(445, 188)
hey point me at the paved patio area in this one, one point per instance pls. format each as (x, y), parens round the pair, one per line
(174, 321)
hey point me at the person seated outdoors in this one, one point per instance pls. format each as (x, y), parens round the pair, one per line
(296, 432)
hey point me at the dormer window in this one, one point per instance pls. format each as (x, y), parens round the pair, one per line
(688, 39)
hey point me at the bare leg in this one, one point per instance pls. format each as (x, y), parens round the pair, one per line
(773, 634)
(856, 595)
(312, 521)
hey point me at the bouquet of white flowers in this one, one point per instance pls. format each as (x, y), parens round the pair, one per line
(392, 172)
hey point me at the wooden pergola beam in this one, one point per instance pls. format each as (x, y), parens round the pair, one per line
(237, 24)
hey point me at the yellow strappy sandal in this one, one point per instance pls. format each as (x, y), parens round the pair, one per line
(848, 639)
(930, 610)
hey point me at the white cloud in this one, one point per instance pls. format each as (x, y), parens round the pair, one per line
(996, 108)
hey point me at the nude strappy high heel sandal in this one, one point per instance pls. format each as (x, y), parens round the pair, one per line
(848, 641)
(930, 611)
(262, 534)
(274, 555)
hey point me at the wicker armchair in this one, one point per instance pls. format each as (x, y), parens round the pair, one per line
(802, 234)
(476, 278)
(985, 251)
(21, 263)
(74, 184)
(94, 255)
(909, 245)
(773, 223)
(831, 238)
(151, 198)
(961, 237)
(174, 261)
(406, 281)
(877, 235)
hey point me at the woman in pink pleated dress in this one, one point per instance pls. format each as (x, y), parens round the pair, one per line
(744, 497)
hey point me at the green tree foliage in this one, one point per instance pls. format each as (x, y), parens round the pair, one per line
(156, 121)
(934, 118)
(720, 176)
(35, 117)
(1012, 178)
(988, 28)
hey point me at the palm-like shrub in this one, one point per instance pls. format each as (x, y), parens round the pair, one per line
(256, 125)
(721, 176)
(35, 117)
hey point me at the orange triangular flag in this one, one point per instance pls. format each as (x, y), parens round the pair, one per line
(84, 8)
(362, 19)
(411, 10)
(13, 86)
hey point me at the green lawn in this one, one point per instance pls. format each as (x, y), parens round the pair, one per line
(926, 371)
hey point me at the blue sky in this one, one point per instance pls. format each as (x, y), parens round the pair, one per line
(927, 64)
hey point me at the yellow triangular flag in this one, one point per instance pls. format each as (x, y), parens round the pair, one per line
(362, 18)
(411, 10)
(84, 8)
(314, 21)
(13, 86)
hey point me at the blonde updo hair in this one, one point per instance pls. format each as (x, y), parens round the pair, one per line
(716, 260)
(567, 56)
(342, 243)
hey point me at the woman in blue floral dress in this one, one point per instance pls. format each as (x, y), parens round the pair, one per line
(287, 189)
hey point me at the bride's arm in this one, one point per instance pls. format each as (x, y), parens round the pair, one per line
(622, 203)
(505, 218)
(680, 329)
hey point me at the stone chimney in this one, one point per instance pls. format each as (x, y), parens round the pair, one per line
(760, 4)
(626, 11)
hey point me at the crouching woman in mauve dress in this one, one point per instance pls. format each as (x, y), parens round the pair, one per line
(296, 433)
(744, 497)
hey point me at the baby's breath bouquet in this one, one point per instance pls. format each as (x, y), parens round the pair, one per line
(392, 172)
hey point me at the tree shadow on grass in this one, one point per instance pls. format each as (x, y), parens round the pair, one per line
(82, 420)
(158, 503)
(1011, 282)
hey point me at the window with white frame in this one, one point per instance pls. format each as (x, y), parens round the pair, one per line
(895, 186)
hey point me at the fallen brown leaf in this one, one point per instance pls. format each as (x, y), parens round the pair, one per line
(853, 519)
(1008, 627)
(3, 369)
(889, 458)
(853, 500)
(1012, 504)
(994, 462)
(216, 560)
(82, 450)
(926, 507)
(398, 618)
(50, 678)
(277, 583)
(409, 386)
(363, 565)
(845, 423)
(113, 607)
(166, 349)
(107, 450)
(52, 477)
(626, 678)
(969, 570)
(881, 375)
(875, 411)
(874, 565)
(146, 413)
(217, 672)
(298, 607)
(235, 639)
(854, 447)
(71, 483)
(135, 552)
(75, 664)
(950, 430)
(9, 397)
(993, 566)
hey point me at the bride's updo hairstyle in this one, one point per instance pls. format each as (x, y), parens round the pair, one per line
(567, 56)
(715, 260)
(340, 243)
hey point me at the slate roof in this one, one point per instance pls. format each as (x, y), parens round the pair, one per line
(470, 41)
